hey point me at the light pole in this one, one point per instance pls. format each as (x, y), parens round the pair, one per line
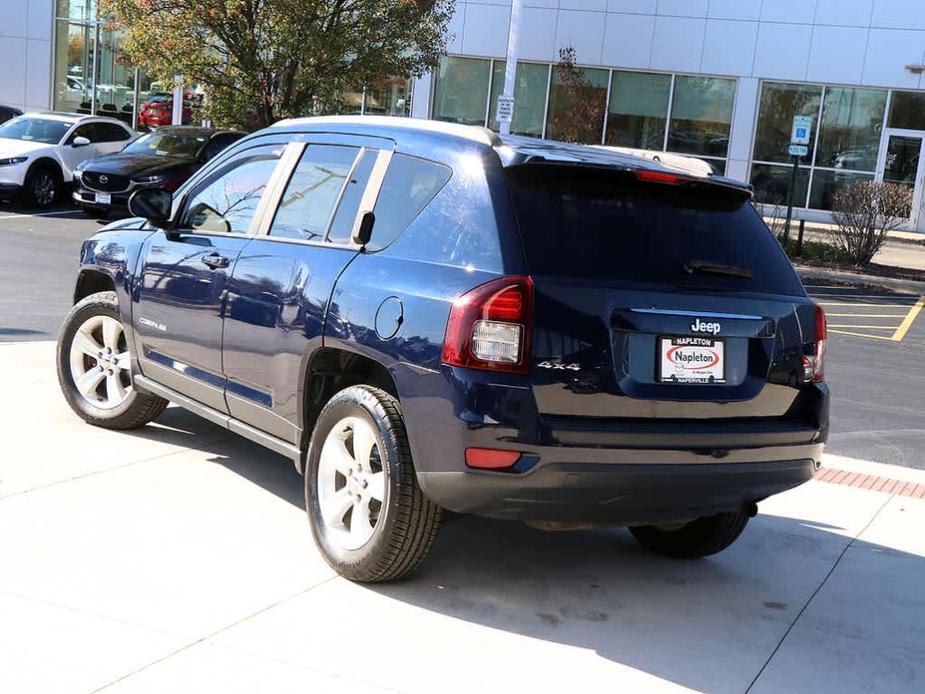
(510, 68)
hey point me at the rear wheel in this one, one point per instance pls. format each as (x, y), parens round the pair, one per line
(698, 538)
(368, 516)
(94, 367)
(42, 185)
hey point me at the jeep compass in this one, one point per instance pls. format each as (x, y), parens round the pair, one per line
(427, 317)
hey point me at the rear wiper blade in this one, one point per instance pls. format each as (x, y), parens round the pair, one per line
(705, 267)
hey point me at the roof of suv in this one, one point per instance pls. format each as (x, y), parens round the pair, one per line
(513, 150)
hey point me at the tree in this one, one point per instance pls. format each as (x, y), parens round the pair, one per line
(577, 106)
(865, 212)
(262, 60)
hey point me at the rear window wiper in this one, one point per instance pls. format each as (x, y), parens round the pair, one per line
(705, 267)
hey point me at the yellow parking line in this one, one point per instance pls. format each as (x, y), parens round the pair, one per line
(909, 320)
(865, 315)
(865, 327)
(867, 303)
(872, 337)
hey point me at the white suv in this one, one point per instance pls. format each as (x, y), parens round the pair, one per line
(39, 151)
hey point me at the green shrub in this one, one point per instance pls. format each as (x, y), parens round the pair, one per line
(817, 250)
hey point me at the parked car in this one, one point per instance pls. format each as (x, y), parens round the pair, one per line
(427, 316)
(164, 158)
(158, 110)
(8, 113)
(39, 152)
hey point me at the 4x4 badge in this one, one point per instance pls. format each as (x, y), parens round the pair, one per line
(698, 326)
(557, 366)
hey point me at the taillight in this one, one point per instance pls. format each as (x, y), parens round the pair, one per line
(661, 177)
(814, 366)
(489, 327)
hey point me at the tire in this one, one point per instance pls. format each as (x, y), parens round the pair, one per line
(42, 187)
(396, 531)
(112, 402)
(699, 538)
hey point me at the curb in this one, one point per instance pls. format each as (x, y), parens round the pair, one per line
(808, 273)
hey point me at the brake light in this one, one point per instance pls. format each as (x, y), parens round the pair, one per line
(660, 177)
(814, 366)
(489, 327)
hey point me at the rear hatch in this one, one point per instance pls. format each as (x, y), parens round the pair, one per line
(661, 299)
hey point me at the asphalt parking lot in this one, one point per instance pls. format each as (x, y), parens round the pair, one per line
(177, 557)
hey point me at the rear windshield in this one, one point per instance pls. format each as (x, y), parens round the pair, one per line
(585, 222)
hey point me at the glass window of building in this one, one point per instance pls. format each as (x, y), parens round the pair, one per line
(530, 88)
(461, 90)
(350, 101)
(850, 134)
(772, 184)
(577, 104)
(80, 10)
(827, 183)
(779, 104)
(638, 110)
(907, 110)
(75, 45)
(701, 116)
(391, 97)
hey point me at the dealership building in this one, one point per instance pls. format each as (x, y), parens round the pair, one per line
(717, 79)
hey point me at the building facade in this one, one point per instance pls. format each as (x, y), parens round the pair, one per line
(717, 79)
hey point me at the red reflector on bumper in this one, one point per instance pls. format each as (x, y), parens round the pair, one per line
(491, 458)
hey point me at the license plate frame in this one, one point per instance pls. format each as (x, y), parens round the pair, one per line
(102, 198)
(690, 360)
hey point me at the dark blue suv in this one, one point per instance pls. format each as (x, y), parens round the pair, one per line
(426, 316)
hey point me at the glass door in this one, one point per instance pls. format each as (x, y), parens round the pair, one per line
(900, 162)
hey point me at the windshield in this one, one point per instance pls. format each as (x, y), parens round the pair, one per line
(43, 130)
(167, 145)
(582, 222)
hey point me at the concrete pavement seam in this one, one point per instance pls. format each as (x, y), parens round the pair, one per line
(815, 593)
(213, 634)
(4, 497)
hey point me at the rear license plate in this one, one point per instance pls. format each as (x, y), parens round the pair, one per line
(103, 198)
(691, 360)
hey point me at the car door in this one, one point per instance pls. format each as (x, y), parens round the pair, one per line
(72, 154)
(180, 292)
(113, 137)
(281, 285)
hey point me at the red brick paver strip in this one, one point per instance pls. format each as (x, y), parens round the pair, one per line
(859, 480)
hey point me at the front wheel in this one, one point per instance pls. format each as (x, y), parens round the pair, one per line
(41, 188)
(368, 516)
(698, 538)
(95, 370)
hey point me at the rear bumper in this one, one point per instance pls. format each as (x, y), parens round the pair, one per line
(616, 493)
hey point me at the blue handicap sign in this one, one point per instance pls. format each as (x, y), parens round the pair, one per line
(801, 133)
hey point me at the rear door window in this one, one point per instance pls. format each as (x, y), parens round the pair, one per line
(410, 183)
(307, 205)
(583, 222)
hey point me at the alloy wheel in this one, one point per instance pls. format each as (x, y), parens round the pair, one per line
(351, 483)
(43, 189)
(101, 363)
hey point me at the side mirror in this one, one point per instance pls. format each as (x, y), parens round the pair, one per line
(80, 141)
(364, 230)
(154, 204)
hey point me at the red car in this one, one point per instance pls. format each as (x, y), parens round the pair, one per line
(158, 111)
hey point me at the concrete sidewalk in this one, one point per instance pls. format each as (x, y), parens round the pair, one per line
(177, 559)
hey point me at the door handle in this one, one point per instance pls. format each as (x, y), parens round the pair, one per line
(215, 261)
